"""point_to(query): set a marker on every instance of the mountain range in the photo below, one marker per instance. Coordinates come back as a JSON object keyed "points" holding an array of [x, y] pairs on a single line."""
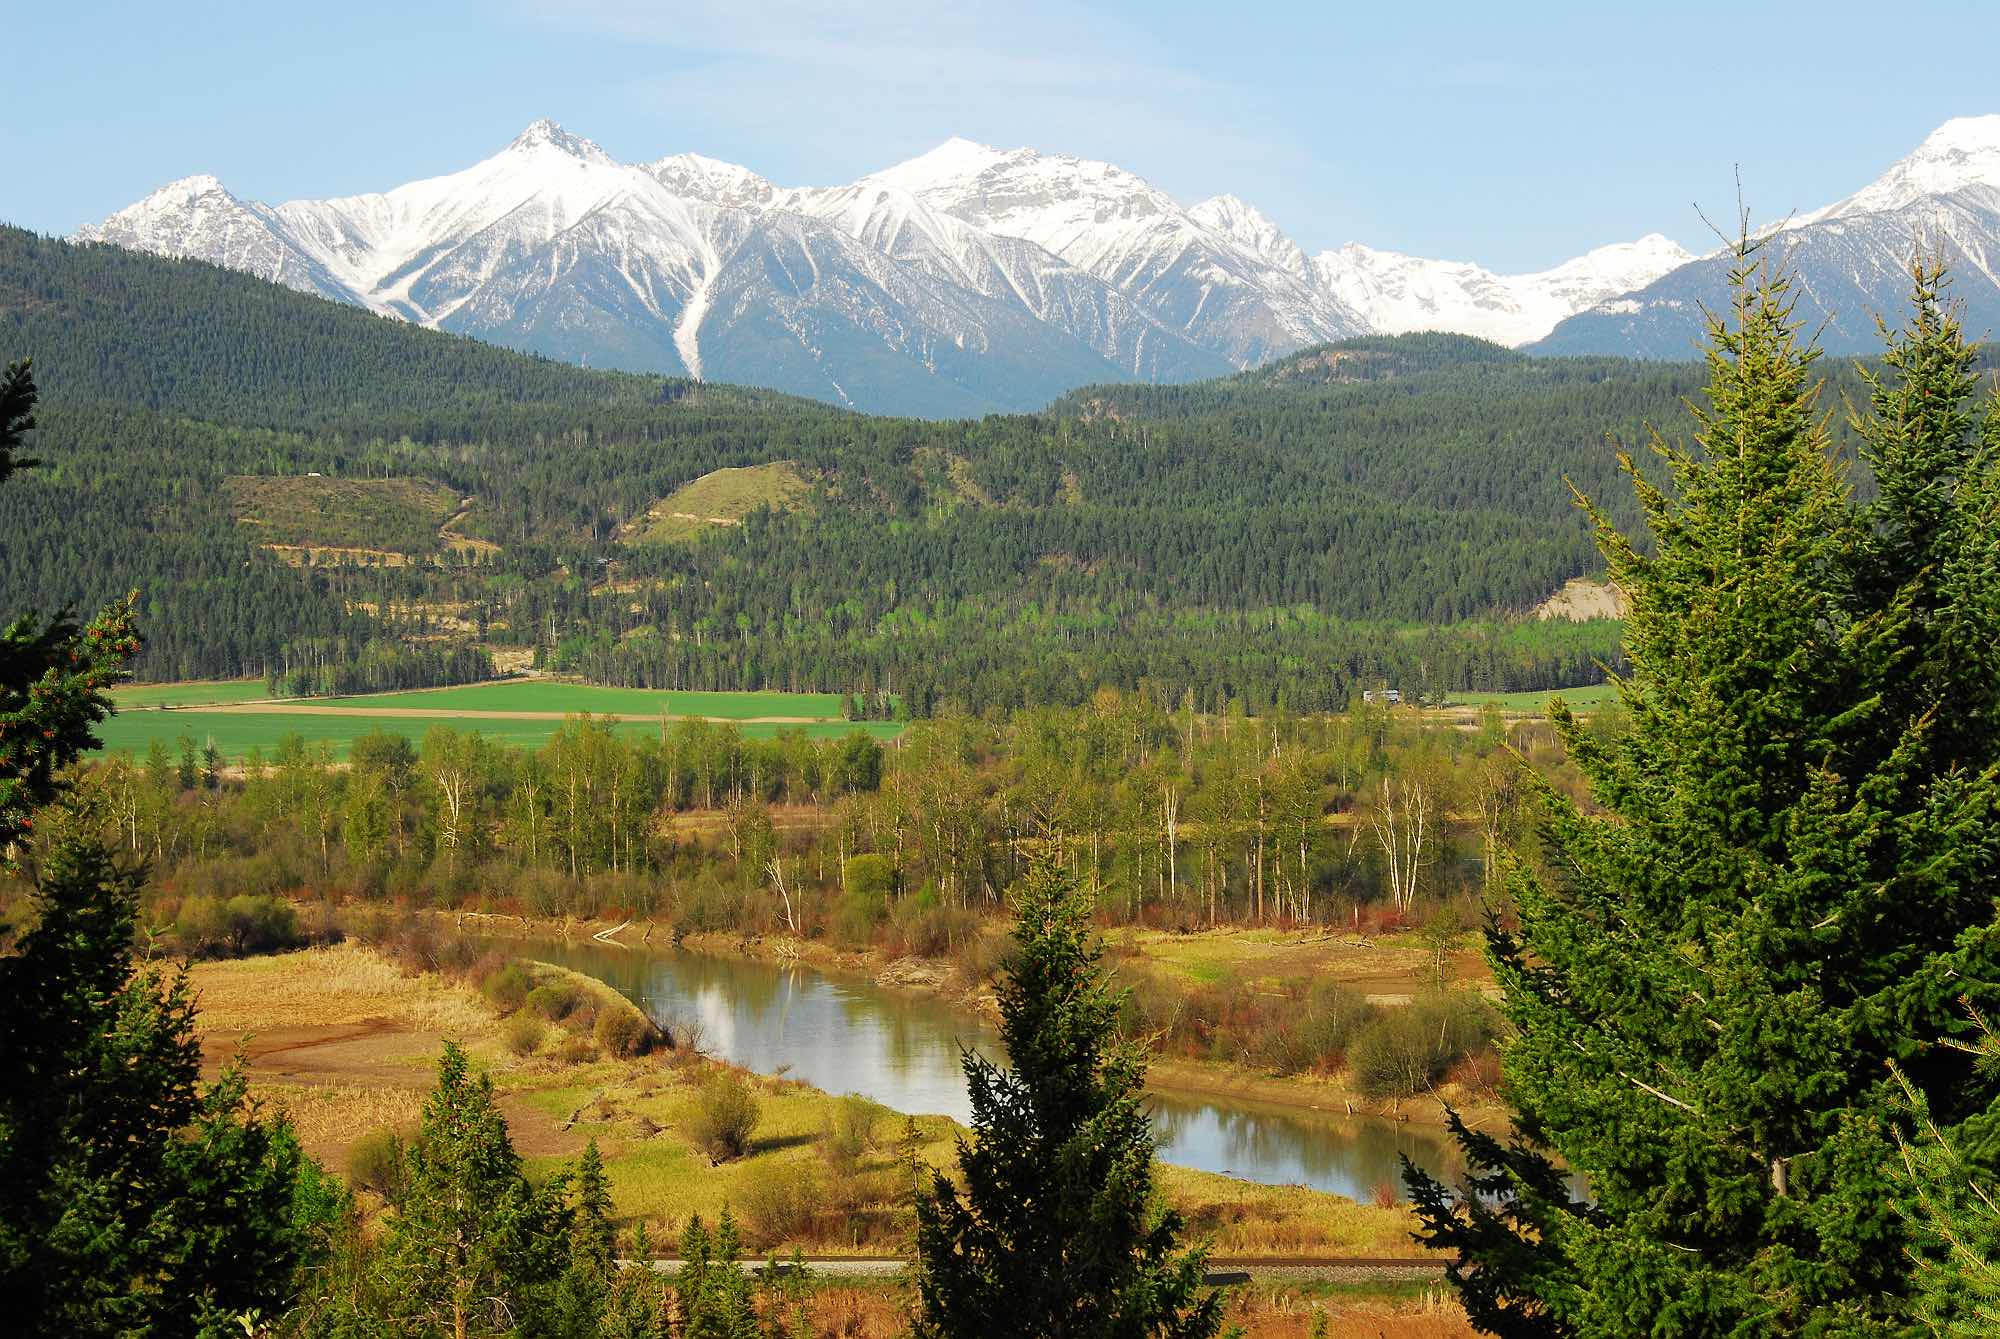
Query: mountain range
{"points": [[973, 279]]}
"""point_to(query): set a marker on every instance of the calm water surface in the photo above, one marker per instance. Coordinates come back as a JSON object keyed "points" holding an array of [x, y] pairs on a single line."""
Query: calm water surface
{"points": [[847, 1035]]}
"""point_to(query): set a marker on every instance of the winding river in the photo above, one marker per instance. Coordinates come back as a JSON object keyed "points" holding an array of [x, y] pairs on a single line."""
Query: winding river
{"points": [[847, 1035]]}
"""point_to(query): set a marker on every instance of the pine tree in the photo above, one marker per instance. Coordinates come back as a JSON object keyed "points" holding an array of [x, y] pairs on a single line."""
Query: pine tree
{"points": [[132, 1199], [1058, 1233], [1788, 889], [53, 674], [473, 1247], [1953, 1211]]}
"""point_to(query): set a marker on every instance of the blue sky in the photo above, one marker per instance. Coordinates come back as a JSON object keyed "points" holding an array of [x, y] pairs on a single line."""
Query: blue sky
{"points": [[1512, 134]]}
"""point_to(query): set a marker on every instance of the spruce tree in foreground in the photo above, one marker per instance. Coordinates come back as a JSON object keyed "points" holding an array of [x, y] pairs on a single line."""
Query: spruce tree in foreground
{"points": [[132, 1199], [1058, 1233], [1791, 886]]}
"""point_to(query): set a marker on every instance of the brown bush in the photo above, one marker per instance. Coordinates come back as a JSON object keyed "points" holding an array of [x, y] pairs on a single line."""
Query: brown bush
{"points": [[376, 1162], [725, 1115], [782, 1201], [624, 1032], [523, 1033], [574, 1051]]}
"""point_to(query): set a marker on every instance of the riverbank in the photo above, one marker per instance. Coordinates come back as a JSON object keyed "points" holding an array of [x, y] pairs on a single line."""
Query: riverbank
{"points": [[346, 1043], [1384, 970]]}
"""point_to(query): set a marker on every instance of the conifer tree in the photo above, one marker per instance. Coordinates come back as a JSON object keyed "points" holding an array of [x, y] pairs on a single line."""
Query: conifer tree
{"points": [[1058, 1233], [1953, 1210], [1789, 888], [473, 1247], [53, 674], [132, 1199]]}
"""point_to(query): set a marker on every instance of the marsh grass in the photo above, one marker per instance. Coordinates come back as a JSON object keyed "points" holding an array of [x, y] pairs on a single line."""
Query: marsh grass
{"points": [[341, 983]]}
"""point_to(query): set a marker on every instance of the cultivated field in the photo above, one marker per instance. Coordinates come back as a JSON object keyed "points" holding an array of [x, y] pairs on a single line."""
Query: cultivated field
{"points": [[539, 695], [192, 693], [236, 717], [1585, 699]]}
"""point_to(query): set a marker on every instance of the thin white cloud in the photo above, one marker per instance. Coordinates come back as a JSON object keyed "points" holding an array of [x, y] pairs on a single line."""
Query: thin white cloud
{"points": [[849, 88]]}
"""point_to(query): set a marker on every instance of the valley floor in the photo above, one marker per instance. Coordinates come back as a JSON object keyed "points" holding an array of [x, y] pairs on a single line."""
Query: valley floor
{"points": [[344, 1042]]}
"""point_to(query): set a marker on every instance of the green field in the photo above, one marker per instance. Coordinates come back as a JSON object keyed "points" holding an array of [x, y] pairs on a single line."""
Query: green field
{"points": [[196, 693], [571, 698], [235, 735], [1587, 698]]}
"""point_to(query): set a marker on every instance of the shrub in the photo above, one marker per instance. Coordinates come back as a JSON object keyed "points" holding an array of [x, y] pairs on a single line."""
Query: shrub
{"points": [[1408, 1050], [574, 1050], [724, 1117], [507, 989], [850, 1133], [782, 1201], [624, 1032], [244, 924], [869, 877], [856, 917], [376, 1162], [1330, 1018], [555, 1001], [522, 1034], [924, 926]]}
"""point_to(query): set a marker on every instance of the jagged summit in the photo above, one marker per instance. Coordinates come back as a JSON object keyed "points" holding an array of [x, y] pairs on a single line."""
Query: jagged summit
{"points": [[545, 134], [1850, 259], [698, 177], [1959, 156], [973, 277]]}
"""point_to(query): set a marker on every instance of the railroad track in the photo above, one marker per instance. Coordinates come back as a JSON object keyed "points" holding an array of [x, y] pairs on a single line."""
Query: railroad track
{"points": [[1303, 1269]]}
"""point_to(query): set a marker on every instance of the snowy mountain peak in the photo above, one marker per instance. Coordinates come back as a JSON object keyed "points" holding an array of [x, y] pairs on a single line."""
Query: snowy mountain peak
{"points": [[1397, 294], [547, 135], [1960, 155], [1249, 227], [694, 176], [950, 167]]}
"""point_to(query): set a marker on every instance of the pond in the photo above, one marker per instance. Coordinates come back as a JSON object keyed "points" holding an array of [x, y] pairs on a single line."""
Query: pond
{"points": [[847, 1035]]}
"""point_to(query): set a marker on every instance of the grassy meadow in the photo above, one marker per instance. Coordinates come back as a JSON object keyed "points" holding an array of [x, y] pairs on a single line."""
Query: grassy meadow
{"points": [[199, 710]]}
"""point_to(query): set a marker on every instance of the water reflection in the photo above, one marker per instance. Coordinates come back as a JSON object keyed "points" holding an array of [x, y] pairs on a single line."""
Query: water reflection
{"points": [[848, 1036]]}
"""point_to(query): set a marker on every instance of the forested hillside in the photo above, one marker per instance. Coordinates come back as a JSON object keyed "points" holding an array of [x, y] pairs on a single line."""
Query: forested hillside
{"points": [[1384, 509]]}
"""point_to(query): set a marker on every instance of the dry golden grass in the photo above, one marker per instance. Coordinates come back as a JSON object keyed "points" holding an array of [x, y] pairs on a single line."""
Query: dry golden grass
{"points": [[1240, 1218], [322, 987], [329, 1117], [880, 1310]]}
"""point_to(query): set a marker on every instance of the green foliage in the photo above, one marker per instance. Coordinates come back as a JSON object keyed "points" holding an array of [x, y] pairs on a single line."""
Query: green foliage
{"points": [[472, 1244], [1789, 887], [1407, 1051], [724, 1116], [508, 988], [1060, 1168], [717, 1300], [1951, 1207], [54, 676], [377, 1161], [524, 1033], [556, 1000], [132, 1199]]}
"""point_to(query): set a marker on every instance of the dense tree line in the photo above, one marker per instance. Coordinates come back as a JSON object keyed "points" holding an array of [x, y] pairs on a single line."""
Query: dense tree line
{"points": [[1264, 551]]}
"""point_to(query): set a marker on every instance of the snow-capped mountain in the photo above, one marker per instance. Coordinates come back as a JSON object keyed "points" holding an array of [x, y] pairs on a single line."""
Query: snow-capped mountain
{"points": [[1396, 294], [966, 280], [1850, 260], [1226, 290]]}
